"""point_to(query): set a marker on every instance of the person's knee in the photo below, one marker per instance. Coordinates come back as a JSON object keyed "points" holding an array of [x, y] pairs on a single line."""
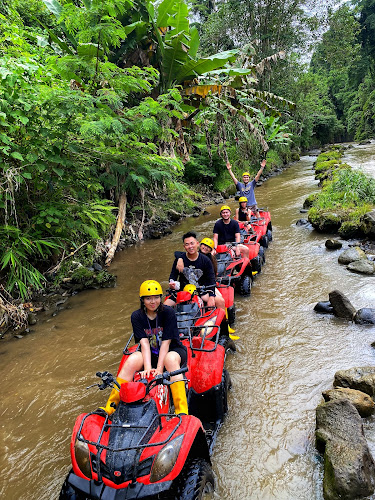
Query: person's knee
{"points": [[172, 361]]}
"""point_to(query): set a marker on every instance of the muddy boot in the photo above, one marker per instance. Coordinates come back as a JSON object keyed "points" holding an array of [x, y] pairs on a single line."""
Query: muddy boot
{"points": [[179, 398], [113, 399]]}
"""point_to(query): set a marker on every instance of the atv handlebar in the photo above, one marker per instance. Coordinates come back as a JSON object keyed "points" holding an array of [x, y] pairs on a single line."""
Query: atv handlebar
{"points": [[108, 380]]}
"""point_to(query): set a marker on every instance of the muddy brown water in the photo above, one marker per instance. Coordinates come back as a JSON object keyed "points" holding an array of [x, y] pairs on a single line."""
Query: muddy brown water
{"points": [[286, 356]]}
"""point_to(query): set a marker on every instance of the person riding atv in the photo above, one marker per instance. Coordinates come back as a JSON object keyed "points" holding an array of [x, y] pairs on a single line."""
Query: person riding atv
{"points": [[155, 327], [198, 270]]}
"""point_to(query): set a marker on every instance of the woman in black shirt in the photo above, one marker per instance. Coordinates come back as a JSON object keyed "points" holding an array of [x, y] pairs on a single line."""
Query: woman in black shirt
{"points": [[155, 328]]}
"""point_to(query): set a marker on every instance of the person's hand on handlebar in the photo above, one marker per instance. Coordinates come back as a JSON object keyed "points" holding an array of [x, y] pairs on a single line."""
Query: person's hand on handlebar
{"points": [[146, 373]]}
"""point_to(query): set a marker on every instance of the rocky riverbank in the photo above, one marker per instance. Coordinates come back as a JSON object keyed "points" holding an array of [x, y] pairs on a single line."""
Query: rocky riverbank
{"points": [[346, 203]]}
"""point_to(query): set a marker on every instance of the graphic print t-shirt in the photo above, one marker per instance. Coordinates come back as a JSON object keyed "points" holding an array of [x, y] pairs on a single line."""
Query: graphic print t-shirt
{"points": [[163, 327], [248, 191], [199, 272]]}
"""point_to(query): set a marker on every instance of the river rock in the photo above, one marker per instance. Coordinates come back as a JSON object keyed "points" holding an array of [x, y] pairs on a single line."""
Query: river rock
{"points": [[362, 267], [333, 244], [302, 222], [359, 378], [365, 316], [324, 307], [369, 224], [349, 469], [342, 307], [351, 255], [362, 401]]}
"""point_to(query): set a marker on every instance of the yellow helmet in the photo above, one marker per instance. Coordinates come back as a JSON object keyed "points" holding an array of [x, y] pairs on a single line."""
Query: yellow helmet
{"points": [[225, 207], [150, 287], [190, 288], [243, 198], [210, 243], [246, 173]]}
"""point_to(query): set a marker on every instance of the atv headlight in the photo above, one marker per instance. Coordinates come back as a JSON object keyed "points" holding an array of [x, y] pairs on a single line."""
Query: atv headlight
{"points": [[208, 326], [165, 460], [82, 454]]}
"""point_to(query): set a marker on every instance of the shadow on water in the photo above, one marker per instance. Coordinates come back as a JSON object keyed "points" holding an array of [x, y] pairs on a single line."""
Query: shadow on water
{"points": [[286, 356]]}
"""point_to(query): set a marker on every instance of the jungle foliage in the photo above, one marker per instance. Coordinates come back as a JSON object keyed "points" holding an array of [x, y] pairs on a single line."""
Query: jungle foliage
{"points": [[112, 107]]}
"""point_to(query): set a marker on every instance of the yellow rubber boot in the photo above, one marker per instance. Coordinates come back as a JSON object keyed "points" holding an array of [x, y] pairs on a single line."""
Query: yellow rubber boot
{"points": [[114, 397], [179, 397]]}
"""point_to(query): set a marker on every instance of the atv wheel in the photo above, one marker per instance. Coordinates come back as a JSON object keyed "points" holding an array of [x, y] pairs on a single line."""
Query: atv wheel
{"points": [[264, 241], [269, 234], [231, 314], [256, 263], [68, 492], [196, 481], [226, 384], [262, 255], [245, 285]]}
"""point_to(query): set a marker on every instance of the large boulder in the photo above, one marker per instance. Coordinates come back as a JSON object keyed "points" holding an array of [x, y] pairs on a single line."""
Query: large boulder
{"points": [[349, 469], [365, 316], [351, 255], [362, 267], [361, 378], [363, 403], [342, 307]]}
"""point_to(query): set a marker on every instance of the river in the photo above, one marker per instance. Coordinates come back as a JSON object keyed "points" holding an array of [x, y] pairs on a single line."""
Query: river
{"points": [[286, 356]]}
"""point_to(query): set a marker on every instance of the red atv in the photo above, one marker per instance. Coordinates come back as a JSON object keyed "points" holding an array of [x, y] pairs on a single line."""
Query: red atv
{"points": [[262, 226], [256, 252], [143, 450], [196, 319], [232, 270]]}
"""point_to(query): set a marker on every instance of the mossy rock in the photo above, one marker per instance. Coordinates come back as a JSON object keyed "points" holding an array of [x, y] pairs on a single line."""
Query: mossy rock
{"points": [[83, 275], [309, 202], [90, 278], [327, 222], [326, 165], [350, 229]]}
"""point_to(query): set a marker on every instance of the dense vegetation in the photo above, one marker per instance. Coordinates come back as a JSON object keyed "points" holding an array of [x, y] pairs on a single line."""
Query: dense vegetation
{"points": [[124, 107]]}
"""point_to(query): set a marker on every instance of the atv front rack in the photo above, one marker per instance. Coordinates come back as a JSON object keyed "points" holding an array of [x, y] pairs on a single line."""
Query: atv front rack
{"points": [[138, 448]]}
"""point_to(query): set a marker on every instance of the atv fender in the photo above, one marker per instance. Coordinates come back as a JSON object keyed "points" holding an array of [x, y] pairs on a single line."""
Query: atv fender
{"points": [[193, 442]]}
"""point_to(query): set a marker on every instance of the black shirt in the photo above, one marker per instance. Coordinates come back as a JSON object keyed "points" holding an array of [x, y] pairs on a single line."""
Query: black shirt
{"points": [[199, 272], [226, 232], [163, 327]]}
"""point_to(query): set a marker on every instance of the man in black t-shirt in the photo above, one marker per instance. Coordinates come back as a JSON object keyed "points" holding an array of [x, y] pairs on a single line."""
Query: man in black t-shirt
{"points": [[227, 230], [198, 270]]}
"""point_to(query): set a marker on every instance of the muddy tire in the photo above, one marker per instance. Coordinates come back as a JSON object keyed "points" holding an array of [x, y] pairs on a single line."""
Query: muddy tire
{"points": [[227, 384], [269, 234], [256, 263], [231, 315], [69, 493], [196, 481], [264, 241], [245, 286], [262, 255]]}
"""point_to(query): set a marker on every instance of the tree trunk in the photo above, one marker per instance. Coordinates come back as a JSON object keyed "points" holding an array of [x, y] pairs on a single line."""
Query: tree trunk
{"points": [[119, 227]]}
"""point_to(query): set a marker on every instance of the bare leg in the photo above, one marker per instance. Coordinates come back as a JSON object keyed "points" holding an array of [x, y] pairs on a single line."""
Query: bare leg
{"points": [[133, 364]]}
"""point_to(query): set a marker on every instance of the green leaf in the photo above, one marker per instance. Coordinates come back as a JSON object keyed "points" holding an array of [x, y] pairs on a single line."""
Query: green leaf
{"points": [[58, 171], [17, 155], [89, 51], [194, 68], [27, 175], [194, 42], [31, 157], [53, 6]]}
